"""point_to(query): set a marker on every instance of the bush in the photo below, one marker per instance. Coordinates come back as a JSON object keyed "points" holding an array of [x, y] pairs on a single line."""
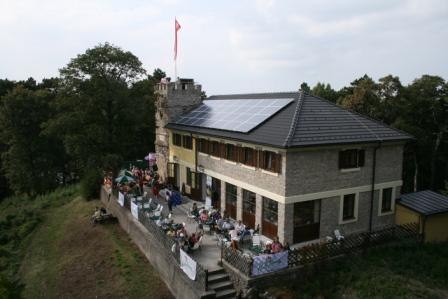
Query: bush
{"points": [[90, 184]]}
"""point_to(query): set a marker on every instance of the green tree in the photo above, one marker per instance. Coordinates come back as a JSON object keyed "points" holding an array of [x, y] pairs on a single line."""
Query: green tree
{"points": [[305, 87], [362, 97], [30, 160], [325, 91], [424, 114], [105, 114]]}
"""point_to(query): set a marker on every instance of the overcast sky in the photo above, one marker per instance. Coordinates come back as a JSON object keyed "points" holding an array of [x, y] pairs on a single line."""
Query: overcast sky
{"points": [[234, 46]]}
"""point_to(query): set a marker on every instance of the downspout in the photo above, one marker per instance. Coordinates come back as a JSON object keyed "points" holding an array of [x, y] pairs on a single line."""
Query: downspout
{"points": [[372, 190]]}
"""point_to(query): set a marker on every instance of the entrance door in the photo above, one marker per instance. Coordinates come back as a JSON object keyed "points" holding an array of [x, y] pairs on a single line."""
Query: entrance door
{"points": [[173, 174], [249, 206], [196, 186], [306, 221], [231, 200], [269, 224]]}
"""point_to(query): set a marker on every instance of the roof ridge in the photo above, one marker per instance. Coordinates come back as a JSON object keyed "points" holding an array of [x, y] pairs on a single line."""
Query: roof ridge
{"points": [[253, 94], [295, 120]]}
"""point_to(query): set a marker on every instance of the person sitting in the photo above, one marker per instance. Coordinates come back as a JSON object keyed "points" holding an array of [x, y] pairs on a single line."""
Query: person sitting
{"points": [[204, 216], [195, 210], [240, 227], [192, 240], [216, 216], [276, 246], [96, 217], [268, 248], [170, 232], [233, 234]]}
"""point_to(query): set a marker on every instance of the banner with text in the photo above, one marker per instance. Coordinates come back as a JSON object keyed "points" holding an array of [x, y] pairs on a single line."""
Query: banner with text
{"points": [[134, 210], [267, 263], [121, 199], [188, 265]]}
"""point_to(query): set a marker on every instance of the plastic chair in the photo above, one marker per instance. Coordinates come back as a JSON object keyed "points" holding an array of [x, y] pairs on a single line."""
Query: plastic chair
{"points": [[338, 235]]}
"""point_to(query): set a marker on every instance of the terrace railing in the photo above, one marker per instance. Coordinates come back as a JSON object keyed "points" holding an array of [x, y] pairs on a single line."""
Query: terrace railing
{"points": [[320, 252]]}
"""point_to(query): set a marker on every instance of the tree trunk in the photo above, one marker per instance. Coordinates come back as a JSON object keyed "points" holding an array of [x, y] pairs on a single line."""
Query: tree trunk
{"points": [[434, 160]]}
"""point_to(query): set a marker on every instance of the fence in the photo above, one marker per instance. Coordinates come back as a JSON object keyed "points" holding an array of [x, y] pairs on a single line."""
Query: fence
{"points": [[171, 248], [320, 252]]}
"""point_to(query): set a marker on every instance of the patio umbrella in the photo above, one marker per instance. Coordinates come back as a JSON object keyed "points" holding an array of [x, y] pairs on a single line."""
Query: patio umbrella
{"points": [[125, 172], [124, 179]]}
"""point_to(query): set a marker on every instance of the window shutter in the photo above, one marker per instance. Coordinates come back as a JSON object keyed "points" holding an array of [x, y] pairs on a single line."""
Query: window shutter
{"points": [[223, 150], [254, 158], [341, 164], [240, 155], [261, 159], [361, 157], [278, 163]]}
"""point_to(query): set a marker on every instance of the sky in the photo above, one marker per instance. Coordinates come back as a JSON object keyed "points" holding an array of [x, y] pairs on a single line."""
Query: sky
{"points": [[234, 46]]}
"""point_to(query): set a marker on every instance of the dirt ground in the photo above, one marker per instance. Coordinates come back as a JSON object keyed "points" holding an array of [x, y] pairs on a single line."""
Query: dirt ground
{"points": [[70, 258]]}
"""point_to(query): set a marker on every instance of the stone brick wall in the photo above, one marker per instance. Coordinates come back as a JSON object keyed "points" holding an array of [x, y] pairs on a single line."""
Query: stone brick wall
{"points": [[317, 170], [330, 213], [165, 264], [171, 101], [272, 183]]}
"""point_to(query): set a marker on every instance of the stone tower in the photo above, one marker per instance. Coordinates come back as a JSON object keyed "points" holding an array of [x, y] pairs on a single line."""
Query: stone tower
{"points": [[172, 100]]}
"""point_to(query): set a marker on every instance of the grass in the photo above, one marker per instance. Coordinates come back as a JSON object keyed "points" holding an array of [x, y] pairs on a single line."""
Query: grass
{"points": [[405, 271], [53, 251]]}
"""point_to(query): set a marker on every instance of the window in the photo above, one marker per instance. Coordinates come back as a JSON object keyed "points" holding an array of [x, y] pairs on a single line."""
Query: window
{"points": [[386, 200], [187, 141], [203, 145], [352, 158], [271, 161], [248, 157], [348, 207], [249, 201], [230, 152], [270, 210], [177, 139], [215, 148]]}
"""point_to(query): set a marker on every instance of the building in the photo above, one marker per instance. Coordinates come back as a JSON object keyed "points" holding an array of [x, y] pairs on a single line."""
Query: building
{"points": [[294, 164], [429, 210]]}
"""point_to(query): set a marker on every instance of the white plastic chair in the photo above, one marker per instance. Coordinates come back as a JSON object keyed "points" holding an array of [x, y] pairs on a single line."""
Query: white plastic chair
{"points": [[146, 205], [206, 228], [256, 240], [190, 217], [338, 235], [169, 216]]}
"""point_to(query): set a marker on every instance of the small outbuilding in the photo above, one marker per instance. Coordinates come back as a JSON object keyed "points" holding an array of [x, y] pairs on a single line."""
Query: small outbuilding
{"points": [[429, 209]]}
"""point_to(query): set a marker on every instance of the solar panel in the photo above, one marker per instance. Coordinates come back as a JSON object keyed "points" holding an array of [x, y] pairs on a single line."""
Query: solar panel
{"points": [[240, 115]]}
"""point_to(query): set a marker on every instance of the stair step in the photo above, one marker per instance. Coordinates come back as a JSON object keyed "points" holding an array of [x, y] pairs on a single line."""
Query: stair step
{"points": [[218, 277], [216, 271], [226, 294], [221, 285]]}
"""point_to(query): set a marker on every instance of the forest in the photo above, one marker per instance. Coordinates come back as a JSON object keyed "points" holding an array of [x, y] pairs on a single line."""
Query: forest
{"points": [[99, 112]]}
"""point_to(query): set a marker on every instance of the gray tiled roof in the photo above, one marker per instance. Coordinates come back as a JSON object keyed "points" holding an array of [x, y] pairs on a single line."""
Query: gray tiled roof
{"points": [[307, 121], [425, 202]]}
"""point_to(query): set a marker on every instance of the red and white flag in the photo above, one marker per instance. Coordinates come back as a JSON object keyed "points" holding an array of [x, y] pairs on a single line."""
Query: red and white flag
{"points": [[176, 28]]}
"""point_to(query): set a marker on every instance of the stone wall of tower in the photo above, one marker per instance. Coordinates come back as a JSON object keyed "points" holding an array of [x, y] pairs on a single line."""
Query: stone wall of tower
{"points": [[172, 100]]}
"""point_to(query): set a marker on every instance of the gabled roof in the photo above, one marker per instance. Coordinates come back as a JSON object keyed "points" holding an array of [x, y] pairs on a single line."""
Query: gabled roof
{"points": [[425, 202], [307, 121]]}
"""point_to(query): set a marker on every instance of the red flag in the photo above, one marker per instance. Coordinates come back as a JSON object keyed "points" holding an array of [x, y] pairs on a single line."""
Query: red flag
{"points": [[176, 28]]}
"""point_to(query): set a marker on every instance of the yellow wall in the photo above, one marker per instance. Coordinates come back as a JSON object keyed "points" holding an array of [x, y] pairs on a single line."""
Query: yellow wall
{"points": [[184, 157], [404, 215], [436, 229]]}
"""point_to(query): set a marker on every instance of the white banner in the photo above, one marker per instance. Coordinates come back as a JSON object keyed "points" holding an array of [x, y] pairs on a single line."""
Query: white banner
{"points": [[134, 210], [208, 192], [121, 199], [188, 265]]}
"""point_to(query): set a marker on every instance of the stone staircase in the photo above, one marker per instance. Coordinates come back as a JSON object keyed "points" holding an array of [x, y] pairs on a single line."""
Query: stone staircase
{"points": [[219, 281]]}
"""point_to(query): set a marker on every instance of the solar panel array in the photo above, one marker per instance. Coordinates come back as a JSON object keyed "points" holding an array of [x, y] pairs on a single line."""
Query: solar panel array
{"points": [[240, 115]]}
